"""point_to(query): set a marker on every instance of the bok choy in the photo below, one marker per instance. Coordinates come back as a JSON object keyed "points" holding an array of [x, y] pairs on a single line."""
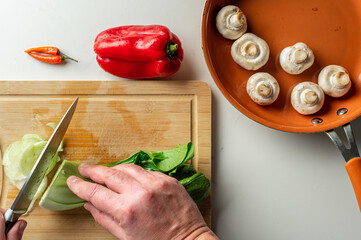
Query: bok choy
{"points": [[20, 157], [171, 162]]}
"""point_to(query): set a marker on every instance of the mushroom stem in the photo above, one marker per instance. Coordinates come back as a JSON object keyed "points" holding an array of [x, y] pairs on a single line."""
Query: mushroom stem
{"points": [[340, 79], [299, 56], [310, 97], [236, 20], [249, 49], [264, 90]]}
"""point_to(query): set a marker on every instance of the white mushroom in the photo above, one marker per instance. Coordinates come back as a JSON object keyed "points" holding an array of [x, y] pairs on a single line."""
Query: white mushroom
{"points": [[250, 52], [307, 98], [231, 22], [334, 81], [297, 58], [262, 88]]}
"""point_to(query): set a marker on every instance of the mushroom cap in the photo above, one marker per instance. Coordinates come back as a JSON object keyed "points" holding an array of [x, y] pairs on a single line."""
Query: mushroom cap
{"points": [[231, 22], [297, 58], [263, 88], [307, 98], [250, 52], [334, 80]]}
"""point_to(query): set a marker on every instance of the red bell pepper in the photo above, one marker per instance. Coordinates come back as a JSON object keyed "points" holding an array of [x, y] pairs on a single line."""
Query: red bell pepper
{"points": [[139, 52]]}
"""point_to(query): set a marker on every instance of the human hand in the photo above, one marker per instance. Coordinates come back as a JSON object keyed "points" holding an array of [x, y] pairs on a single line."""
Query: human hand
{"points": [[15, 233], [139, 204]]}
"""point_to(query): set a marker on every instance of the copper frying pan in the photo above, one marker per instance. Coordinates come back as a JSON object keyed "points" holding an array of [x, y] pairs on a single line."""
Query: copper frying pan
{"points": [[332, 29]]}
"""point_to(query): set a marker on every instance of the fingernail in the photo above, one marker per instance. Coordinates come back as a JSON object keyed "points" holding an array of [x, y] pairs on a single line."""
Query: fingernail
{"points": [[22, 227], [84, 165], [86, 206], [72, 179]]}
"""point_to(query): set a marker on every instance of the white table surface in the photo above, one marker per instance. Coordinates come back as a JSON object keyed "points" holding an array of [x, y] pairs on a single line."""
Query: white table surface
{"points": [[266, 184]]}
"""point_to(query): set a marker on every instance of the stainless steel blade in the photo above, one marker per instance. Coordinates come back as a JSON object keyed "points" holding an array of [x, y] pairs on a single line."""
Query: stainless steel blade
{"points": [[27, 192]]}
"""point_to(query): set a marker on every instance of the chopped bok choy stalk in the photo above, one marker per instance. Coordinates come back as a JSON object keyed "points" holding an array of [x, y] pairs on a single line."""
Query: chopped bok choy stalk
{"points": [[59, 197], [20, 157]]}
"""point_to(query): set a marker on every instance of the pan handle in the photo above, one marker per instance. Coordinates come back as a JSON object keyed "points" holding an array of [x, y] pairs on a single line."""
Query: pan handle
{"points": [[353, 168], [351, 156]]}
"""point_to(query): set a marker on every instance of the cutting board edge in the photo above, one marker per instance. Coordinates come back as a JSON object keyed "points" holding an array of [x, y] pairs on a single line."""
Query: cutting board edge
{"points": [[101, 87]]}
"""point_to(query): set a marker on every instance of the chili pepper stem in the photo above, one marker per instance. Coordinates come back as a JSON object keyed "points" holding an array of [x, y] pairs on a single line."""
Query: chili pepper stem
{"points": [[64, 57], [171, 50]]}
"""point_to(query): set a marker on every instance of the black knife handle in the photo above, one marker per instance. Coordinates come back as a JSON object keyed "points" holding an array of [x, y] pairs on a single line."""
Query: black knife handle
{"points": [[8, 226], [10, 219]]}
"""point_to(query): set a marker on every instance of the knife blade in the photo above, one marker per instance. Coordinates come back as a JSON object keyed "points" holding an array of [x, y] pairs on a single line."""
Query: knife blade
{"points": [[32, 183]]}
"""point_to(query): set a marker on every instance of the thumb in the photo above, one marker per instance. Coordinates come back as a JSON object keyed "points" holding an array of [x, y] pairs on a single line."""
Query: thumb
{"points": [[2, 226], [16, 232]]}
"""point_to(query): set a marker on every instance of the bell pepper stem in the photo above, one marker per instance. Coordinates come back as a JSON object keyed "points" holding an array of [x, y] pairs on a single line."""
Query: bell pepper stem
{"points": [[171, 50]]}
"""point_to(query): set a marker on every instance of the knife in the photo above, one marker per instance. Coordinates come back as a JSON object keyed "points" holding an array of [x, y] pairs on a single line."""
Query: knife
{"points": [[32, 183]]}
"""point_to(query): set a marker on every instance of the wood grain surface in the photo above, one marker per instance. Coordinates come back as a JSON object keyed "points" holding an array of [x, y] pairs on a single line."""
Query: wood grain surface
{"points": [[113, 120]]}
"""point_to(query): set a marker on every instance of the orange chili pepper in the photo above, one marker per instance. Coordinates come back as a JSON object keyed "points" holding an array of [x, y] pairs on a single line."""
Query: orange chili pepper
{"points": [[52, 54], [49, 50]]}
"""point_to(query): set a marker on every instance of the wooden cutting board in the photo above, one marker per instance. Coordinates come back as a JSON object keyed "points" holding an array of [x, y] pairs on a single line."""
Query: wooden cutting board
{"points": [[113, 120]]}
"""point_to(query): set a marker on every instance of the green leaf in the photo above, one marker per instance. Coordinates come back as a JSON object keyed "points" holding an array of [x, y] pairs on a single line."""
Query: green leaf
{"points": [[197, 186], [168, 160], [184, 171]]}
